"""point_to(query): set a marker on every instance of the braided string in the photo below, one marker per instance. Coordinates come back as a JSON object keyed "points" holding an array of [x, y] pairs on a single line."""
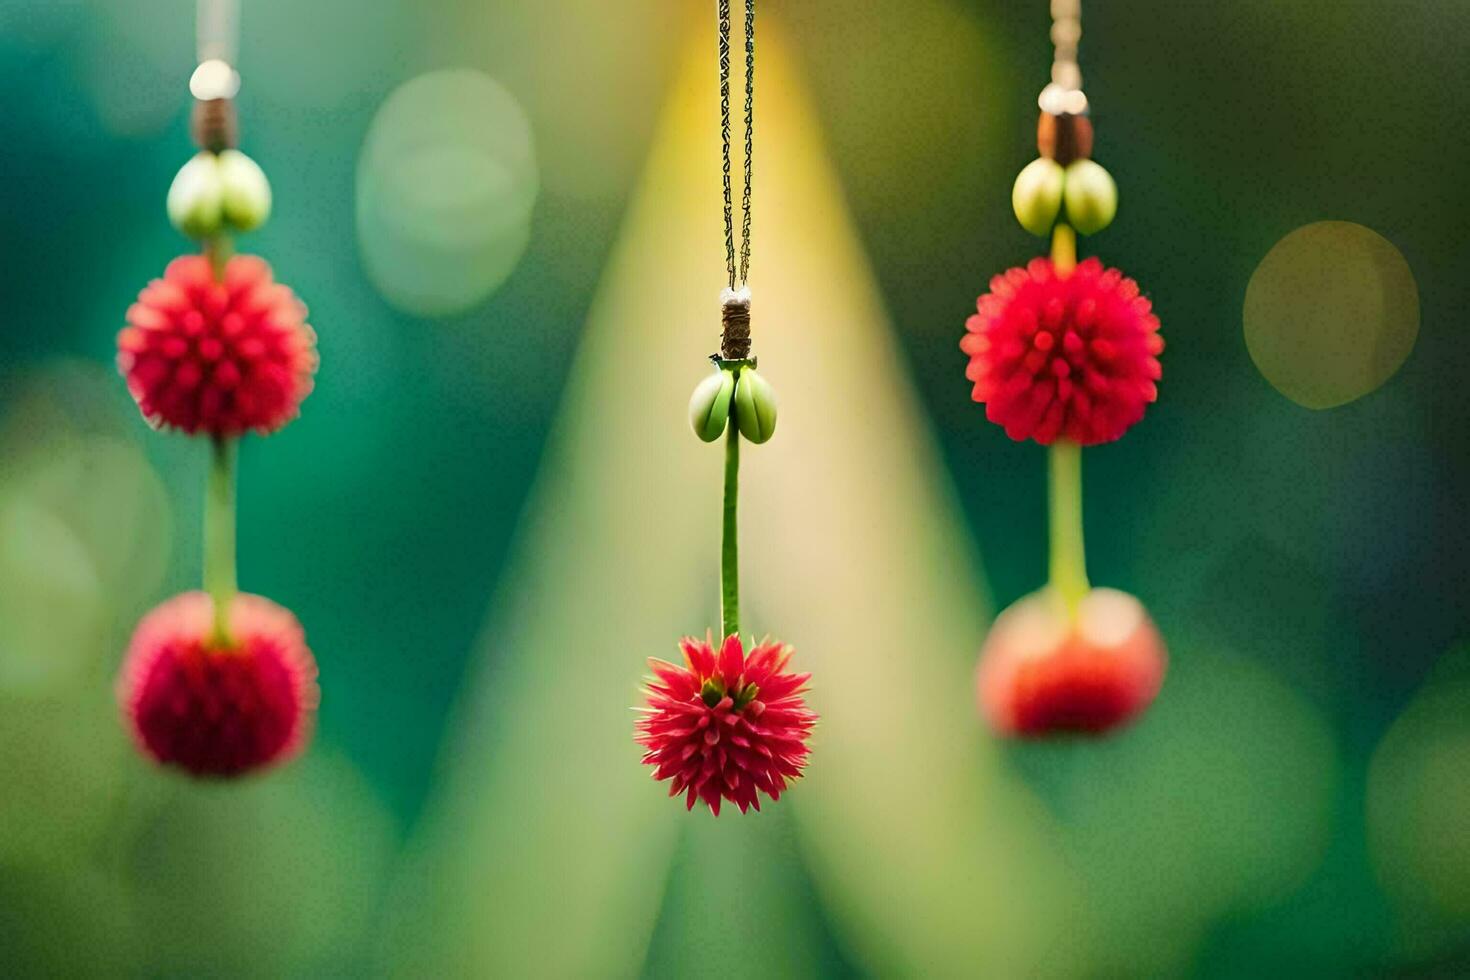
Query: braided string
{"points": [[737, 273], [749, 136]]}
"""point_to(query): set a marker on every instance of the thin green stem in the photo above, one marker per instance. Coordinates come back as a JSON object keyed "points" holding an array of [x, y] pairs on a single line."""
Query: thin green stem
{"points": [[729, 540], [219, 536], [1068, 556], [218, 250], [219, 495], [1064, 249]]}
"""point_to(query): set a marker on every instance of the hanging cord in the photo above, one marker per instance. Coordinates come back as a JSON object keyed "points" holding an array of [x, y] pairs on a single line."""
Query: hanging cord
{"points": [[1064, 94], [1064, 131], [215, 81], [217, 30], [738, 274], [724, 17], [749, 138], [735, 301]]}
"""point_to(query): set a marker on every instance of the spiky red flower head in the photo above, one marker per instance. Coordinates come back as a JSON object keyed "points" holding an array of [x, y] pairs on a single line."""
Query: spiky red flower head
{"points": [[1073, 357], [218, 357], [1044, 672], [726, 725], [219, 711]]}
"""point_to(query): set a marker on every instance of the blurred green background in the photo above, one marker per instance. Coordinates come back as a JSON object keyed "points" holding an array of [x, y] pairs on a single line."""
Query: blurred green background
{"points": [[491, 511]]}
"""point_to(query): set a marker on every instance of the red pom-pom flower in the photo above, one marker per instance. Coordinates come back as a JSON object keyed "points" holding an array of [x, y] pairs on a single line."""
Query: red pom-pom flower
{"points": [[726, 726], [1043, 671], [219, 711], [1072, 357], [221, 358]]}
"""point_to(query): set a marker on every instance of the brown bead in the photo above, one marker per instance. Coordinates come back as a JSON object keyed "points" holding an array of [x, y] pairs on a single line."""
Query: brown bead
{"points": [[213, 125], [1064, 138], [735, 337]]}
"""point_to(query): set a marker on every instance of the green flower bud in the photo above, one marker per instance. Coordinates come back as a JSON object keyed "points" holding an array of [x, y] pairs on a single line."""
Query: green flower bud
{"points": [[755, 406], [709, 406], [247, 194], [1092, 197], [196, 197], [712, 691], [1036, 196]]}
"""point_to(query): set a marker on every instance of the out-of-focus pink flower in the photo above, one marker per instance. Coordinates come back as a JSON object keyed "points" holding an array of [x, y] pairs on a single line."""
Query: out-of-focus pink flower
{"points": [[221, 358], [1043, 672], [219, 711]]}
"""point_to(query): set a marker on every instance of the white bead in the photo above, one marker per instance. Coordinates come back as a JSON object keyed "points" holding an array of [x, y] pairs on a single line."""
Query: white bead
{"points": [[214, 79]]}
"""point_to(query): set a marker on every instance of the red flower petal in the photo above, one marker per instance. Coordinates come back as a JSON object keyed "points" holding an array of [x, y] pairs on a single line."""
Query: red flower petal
{"points": [[732, 660]]}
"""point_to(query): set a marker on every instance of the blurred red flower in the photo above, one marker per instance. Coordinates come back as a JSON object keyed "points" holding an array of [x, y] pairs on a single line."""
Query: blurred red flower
{"points": [[726, 725], [219, 711], [222, 358], [1043, 671]]}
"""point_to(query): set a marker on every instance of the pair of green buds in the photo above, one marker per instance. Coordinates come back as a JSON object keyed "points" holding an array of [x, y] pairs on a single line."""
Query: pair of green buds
{"points": [[1044, 187], [735, 388], [215, 192]]}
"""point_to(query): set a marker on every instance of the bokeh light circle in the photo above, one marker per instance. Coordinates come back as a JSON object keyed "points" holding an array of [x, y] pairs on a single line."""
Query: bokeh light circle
{"points": [[1331, 313], [63, 758], [85, 525], [269, 877], [1217, 801], [446, 183], [1418, 808], [52, 608]]}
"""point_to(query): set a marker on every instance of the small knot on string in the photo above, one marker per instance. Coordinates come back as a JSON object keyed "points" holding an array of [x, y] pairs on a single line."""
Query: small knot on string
{"points": [[1064, 136], [214, 125], [735, 321]]}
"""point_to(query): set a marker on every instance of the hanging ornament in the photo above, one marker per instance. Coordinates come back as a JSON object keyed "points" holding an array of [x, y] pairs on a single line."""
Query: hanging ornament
{"points": [[1066, 354], [216, 682], [729, 724]]}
